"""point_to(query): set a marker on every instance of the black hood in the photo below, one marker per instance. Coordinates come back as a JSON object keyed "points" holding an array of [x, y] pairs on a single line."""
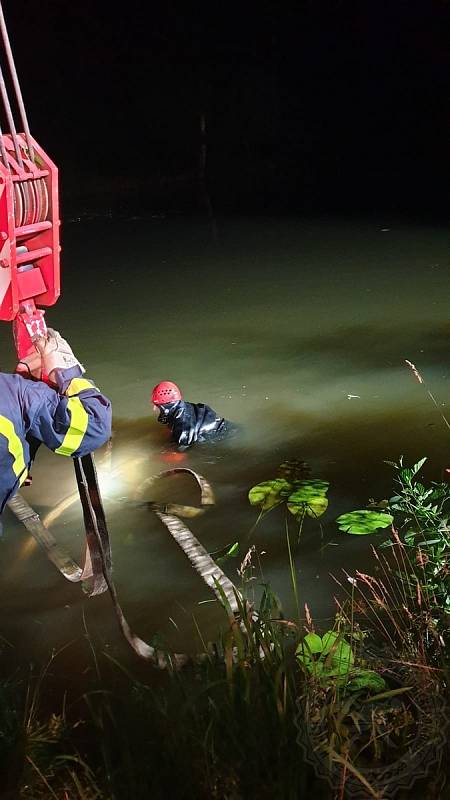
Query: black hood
{"points": [[168, 411]]}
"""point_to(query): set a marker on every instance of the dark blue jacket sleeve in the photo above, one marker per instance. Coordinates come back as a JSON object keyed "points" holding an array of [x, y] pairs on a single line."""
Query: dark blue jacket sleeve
{"points": [[72, 420]]}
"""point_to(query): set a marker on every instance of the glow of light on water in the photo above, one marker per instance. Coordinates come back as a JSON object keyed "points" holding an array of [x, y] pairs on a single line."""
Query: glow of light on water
{"points": [[111, 482], [26, 549]]}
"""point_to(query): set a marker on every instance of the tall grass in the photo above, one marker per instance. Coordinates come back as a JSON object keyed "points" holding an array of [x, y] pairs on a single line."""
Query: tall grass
{"points": [[223, 728], [38, 756]]}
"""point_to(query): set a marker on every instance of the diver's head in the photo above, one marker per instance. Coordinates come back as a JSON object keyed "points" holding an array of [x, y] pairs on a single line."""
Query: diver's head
{"points": [[165, 398], [165, 392]]}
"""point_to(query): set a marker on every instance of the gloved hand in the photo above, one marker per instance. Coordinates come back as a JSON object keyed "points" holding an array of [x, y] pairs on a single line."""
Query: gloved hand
{"points": [[56, 353], [31, 366]]}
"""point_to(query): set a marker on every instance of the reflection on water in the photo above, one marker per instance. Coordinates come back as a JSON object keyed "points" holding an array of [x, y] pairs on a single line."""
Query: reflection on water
{"points": [[297, 331]]}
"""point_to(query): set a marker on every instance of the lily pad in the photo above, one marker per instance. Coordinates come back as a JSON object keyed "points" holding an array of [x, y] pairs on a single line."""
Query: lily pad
{"points": [[362, 522], [269, 494], [308, 498]]}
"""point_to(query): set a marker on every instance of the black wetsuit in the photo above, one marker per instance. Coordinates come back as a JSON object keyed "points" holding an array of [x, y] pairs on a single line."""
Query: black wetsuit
{"points": [[192, 422]]}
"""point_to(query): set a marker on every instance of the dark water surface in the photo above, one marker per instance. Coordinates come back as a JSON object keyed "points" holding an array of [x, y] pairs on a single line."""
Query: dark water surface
{"points": [[295, 329]]}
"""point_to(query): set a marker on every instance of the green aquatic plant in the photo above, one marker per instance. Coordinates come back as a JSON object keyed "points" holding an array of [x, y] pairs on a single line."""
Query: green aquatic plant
{"points": [[302, 496], [331, 661], [269, 494], [362, 522], [418, 507], [422, 517], [308, 498], [327, 656], [225, 553], [419, 519], [370, 718]]}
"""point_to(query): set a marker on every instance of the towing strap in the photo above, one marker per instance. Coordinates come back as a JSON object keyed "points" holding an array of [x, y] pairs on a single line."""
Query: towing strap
{"points": [[56, 553], [98, 547], [97, 567]]}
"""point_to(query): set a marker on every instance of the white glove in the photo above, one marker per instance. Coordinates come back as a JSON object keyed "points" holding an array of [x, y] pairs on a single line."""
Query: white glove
{"points": [[56, 353], [30, 366]]}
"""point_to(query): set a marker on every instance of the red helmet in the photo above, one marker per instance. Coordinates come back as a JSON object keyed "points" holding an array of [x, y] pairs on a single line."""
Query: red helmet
{"points": [[165, 392]]}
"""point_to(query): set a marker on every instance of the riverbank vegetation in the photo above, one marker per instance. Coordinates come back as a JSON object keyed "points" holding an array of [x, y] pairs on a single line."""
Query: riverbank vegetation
{"points": [[275, 707]]}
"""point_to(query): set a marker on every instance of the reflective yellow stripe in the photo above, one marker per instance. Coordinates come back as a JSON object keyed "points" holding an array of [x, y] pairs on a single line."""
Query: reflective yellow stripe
{"points": [[78, 426], [78, 385], [15, 448]]}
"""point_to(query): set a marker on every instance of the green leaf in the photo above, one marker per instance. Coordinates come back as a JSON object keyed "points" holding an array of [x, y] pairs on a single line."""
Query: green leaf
{"points": [[311, 644], [339, 656], [310, 488], [406, 474], [269, 494], [308, 497], [366, 679], [328, 640], [418, 466], [440, 490], [293, 470], [225, 553], [362, 522], [313, 509], [330, 659], [429, 541]]}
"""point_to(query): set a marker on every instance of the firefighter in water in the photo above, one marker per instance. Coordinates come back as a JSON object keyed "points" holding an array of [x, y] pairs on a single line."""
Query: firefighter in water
{"points": [[188, 422], [70, 416]]}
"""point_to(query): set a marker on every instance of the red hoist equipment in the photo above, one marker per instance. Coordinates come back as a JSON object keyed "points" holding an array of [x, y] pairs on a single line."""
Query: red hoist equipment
{"points": [[29, 218]]}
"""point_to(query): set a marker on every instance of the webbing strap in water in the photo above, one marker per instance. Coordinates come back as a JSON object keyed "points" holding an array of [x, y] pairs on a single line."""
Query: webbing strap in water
{"points": [[98, 565], [97, 535], [57, 554]]}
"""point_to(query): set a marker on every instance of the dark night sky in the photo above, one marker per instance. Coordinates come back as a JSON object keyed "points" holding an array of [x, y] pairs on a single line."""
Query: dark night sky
{"points": [[320, 105]]}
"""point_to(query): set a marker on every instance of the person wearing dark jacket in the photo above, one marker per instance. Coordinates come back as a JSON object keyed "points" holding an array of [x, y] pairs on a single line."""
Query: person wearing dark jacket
{"points": [[188, 422], [68, 414]]}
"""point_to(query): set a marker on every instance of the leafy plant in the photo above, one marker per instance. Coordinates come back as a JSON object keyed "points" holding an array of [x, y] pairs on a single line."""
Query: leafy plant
{"points": [[359, 728], [421, 515], [330, 660]]}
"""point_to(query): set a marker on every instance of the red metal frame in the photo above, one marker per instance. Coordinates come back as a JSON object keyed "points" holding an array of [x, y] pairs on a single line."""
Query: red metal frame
{"points": [[29, 240]]}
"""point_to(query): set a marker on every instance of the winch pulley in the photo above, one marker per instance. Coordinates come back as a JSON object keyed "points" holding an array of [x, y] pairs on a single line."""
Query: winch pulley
{"points": [[29, 215]]}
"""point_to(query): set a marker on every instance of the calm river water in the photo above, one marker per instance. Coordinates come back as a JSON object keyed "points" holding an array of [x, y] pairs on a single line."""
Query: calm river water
{"points": [[297, 330]]}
